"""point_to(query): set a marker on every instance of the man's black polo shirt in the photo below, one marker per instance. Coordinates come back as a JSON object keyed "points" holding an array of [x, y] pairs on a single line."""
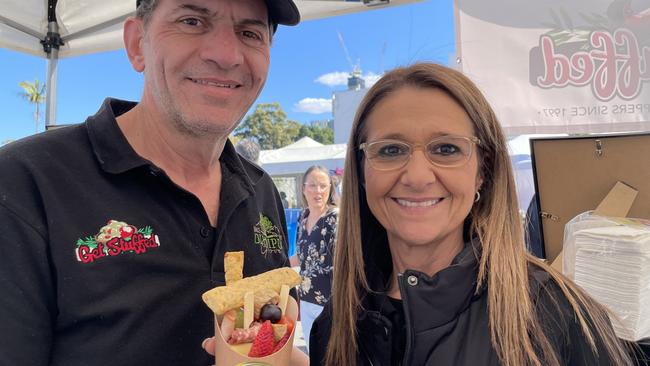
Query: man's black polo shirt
{"points": [[103, 258]]}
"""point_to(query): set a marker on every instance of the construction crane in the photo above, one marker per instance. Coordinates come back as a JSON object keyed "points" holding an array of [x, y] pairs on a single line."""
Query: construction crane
{"points": [[355, 80], [381, 57]]}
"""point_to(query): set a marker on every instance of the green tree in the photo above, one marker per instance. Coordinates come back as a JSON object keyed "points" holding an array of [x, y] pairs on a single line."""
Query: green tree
{"points": [[234, 139], [268, 124], [34, 93], [324, 135]]}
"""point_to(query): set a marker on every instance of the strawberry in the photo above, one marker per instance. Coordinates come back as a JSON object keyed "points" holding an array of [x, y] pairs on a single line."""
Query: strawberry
{"points": [[282, 341], [264, 343]]}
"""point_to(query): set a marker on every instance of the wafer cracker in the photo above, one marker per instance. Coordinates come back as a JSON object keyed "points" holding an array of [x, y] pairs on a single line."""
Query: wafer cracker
{"points": [[284, 296], [223, 298], [233, 266], [249, 309]]}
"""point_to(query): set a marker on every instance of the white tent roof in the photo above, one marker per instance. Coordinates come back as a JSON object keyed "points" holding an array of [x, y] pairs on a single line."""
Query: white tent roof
{"points": [[308, 153], [296, 158], [303, 142], [88, 26]]}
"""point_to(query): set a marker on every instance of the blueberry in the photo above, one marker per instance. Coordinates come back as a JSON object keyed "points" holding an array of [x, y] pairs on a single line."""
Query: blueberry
{"points": [[271, 312]]}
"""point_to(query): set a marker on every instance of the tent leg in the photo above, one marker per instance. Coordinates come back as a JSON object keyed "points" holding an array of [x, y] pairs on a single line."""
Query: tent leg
{"points": [[50, 86], [51, 45]]}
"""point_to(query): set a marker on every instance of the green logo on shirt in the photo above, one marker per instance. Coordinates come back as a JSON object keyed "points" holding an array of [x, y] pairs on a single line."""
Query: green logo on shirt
{"points": [[267, 236]]}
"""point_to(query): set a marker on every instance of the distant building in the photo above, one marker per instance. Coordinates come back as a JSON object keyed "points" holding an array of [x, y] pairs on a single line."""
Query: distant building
{"points": [[325, 123], [344, 106], [355, 80]]}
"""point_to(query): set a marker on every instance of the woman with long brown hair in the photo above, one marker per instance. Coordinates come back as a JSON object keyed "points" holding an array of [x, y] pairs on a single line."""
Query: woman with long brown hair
{"points": [[431, 267], [315, 244]]}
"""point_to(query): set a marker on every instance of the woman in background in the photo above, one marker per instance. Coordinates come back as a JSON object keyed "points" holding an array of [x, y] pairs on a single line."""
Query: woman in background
{"points": [[431, 268], [315, 245]]}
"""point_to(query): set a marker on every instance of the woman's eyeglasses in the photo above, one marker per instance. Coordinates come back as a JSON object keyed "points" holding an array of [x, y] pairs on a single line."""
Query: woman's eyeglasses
{"points": [[445, 151]]}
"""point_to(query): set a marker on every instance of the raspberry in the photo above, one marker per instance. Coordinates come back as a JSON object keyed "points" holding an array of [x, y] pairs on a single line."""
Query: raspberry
{"points": [[264, 343]]}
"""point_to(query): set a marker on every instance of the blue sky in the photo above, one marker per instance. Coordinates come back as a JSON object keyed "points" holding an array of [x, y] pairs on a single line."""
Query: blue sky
{"points": [[306, 63]]}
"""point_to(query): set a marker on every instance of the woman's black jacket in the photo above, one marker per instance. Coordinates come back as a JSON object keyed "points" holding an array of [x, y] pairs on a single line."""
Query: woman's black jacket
{"points": [[447, 321]]}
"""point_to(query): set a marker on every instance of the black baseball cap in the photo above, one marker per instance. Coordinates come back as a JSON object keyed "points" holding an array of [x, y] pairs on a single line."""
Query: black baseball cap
{"points": [[283, 12]]}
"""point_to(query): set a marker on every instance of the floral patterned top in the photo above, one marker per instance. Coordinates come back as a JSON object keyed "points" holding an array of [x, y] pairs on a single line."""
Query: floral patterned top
{"points": [[315, 250]]}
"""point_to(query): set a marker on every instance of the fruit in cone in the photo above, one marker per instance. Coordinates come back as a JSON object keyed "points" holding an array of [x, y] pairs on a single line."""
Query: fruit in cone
{"points": [[264, 343], [279, 330], [281, 342], [251, 311], [271, 312], [288, 322]]}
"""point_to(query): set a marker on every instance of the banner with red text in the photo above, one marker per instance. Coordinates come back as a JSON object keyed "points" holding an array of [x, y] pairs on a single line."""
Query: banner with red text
{"points": [[558, 66]]}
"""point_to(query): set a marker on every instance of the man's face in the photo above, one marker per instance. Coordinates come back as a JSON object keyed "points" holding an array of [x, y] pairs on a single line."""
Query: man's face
{"points": [[205, 62]]}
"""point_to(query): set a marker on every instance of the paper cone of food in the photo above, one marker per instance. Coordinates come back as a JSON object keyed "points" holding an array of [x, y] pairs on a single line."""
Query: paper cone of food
{"points": [[238, 354], [255, 317]]}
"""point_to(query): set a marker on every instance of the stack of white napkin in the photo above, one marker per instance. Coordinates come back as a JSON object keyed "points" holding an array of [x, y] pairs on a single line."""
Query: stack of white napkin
{"points": [[610, 259]]}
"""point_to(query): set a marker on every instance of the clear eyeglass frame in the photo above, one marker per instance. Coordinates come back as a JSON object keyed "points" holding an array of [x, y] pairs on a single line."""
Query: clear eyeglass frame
{"points": [[401, 161]]}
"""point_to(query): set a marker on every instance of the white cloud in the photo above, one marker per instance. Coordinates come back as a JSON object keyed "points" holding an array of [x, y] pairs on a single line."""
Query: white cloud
{"points": [[340, 78], [371, 78], [314, 105], [336, 78]]}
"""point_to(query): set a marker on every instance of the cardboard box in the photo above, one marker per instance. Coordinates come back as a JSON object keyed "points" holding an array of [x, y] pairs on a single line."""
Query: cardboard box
{"points": [[573, 174], [616, 204]]}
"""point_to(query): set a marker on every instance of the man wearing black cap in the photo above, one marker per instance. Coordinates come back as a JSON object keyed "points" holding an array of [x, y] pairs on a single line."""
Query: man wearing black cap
{"points": [[112, 229]]}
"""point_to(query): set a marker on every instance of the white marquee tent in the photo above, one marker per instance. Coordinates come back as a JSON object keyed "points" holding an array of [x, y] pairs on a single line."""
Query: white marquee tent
{"points": [[294, 159]]}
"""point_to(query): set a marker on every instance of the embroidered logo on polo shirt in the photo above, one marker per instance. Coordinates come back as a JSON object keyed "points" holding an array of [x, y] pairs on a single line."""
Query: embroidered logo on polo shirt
{"points": [[115, 238], [267, 236]]}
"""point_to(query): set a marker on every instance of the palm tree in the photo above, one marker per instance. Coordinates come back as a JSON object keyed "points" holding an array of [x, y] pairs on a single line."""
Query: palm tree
{"points": [[34, 93]]}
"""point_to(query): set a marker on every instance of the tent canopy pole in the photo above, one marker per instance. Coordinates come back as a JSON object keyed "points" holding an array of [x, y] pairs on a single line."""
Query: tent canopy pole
{"points": [[51, 44]]}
